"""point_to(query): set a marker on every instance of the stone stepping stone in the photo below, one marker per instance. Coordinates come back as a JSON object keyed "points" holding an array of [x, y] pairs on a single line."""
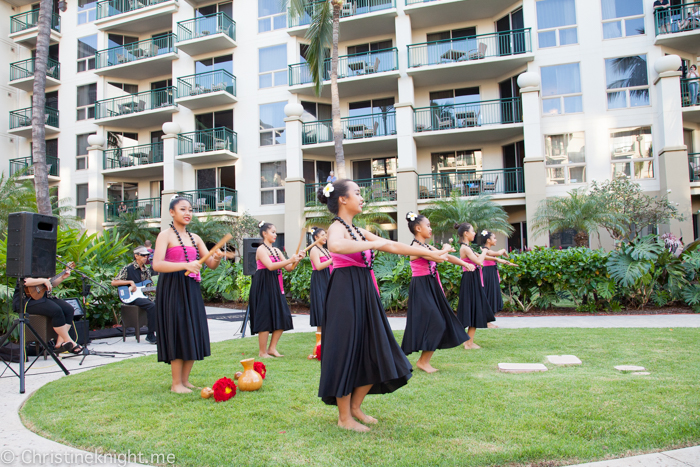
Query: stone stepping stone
{"points": [[629, 368], [521, 367], [641, 373], [563, 359]]}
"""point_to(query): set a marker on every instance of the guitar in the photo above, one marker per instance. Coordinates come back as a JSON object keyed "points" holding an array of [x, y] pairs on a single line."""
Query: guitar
{"points": [[36, 292], [127, 296]]}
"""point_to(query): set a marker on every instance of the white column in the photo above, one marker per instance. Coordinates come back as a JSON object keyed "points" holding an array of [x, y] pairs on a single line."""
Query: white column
{"points": [[172, 172], [295, 185], [95, 209]]}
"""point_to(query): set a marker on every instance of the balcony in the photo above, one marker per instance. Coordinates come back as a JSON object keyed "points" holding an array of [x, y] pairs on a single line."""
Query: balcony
{"points": [[693, 167], [374, 190], [22, 74], [485, 56], [24, 30], [135, 16], [206, 146], [213, 200], [21, 122], [145, 160], [430, 13], [26, 164], [357, 72], [208, 89], [142, 110], [206, 34], [690, 99], [476, 122], [376, 133], [494, 182], [148, 208], [358, 19], [678, 27], [139, 60]]}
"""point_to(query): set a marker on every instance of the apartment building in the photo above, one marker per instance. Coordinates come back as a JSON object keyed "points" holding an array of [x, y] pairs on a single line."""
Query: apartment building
{"points": [[518, 100]]}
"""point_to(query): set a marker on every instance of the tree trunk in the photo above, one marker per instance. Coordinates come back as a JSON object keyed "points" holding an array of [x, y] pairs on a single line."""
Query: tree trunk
{"points": [[335, 98], [581, 239], [41, 176]]}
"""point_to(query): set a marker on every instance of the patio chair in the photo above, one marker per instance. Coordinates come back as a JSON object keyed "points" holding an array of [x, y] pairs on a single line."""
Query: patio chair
{"points": [[471, 118], [199, 147], [491, 185], [200, 204], [347, 9], [50, 71], [125, 161], [423, 192], [148, 211], [142, 106], [220, 144], [444, 122], [121, 58], [133, 317], [478, 53], [372, 131], [219, 87], [44, 330], [373, 69]]}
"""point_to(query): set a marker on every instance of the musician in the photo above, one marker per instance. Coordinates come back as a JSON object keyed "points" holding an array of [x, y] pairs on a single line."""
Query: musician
{"points": [[131, 275], [60, 312]]}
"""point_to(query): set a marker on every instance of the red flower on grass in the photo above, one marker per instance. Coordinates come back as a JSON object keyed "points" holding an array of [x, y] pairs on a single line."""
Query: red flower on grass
{"points": [[260, 368], [318, 352], [224, 389]]}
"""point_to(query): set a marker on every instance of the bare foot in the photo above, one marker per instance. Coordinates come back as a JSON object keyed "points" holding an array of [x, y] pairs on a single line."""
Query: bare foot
{"points": [[274, 353], [264, 355], [363, 417], [190, 385], [180, 389], [353, 425], [427, 367], [471, 345], [491, 326]]}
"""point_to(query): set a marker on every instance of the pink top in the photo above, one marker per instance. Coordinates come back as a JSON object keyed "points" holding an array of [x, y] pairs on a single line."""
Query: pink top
{"points": [[322, 259], [279, 276], [421, 267], [353, 260], [177, 255], [481, 273]]}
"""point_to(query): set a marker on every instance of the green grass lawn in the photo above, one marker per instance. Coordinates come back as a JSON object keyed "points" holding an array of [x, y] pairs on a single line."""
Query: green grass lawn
{"points": [[467, 414]]}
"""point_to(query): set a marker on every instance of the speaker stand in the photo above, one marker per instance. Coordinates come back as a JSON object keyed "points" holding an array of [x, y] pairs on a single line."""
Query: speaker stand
{"points": [[245, 322]]}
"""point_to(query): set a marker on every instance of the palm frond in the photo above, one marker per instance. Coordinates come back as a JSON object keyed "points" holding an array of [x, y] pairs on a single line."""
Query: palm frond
{"points": [[480, 211], [320, 36]]}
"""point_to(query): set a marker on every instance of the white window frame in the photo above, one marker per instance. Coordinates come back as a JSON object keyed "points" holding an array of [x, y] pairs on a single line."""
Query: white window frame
{"points": [[88, 60], [623, 25], [565, 166], [86, 108], [632, 161], [275, 131], [87, 13], [627, 90], [562, 97], [275, 189], [557, 31], [273, 72], [81, 157], [81, 209], [271, 19]]}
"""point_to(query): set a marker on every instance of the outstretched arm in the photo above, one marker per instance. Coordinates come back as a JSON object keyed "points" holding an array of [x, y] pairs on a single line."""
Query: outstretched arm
{"points": [[407, 250]]}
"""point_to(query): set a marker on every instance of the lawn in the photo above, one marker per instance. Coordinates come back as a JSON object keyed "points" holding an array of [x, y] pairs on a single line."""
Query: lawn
{"points": [[467, 414]]}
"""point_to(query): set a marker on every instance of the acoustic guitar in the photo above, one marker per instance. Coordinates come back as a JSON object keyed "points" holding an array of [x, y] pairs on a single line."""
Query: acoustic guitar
{"points": [[36, 292]]}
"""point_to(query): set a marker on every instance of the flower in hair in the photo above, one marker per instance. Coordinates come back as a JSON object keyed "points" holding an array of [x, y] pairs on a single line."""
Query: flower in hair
{"points": [[261, 224], [327, 190], [412, 216], [484, 233], [175, 197]]}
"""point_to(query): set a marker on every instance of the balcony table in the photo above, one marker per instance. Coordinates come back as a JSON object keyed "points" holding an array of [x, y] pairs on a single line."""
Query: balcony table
{"points": [[357, 131], [453, 55]]}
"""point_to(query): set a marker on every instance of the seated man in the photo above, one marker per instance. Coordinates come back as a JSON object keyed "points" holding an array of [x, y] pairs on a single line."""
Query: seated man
{"points": [[132, 274]]}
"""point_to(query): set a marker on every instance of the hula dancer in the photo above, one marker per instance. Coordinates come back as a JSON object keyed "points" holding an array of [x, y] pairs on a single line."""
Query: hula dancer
{"points": [[322, 265], [360, 354], [269, 311], [181, 320], [430, 322], [491, 277]]}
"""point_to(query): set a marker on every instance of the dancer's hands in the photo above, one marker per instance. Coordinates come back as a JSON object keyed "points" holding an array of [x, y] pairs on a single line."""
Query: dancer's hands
{"points": [[469, 266], [193, 267], [437, 255], [448, 248]]}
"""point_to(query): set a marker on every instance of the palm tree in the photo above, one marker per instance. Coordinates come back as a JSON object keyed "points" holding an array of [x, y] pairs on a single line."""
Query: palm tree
{"points": [[370, 219], [133, 230], [323, 33], [41, 173], [480, 211], [15, 195], [633, 72]]}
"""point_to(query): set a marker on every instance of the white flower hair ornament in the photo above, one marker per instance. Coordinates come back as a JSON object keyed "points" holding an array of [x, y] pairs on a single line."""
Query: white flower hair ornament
{"points": [[261, 224], [327, 190], [484, 233], [175, 197], [411, 216]]}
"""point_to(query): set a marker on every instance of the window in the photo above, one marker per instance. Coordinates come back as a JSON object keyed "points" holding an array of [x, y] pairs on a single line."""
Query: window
{"points": [[87, 47], [273, 66], [81, 196], [86, 101], [212, 9], [456, 161], [122, 191], [561, 89], [376, 114], [225, 62], [318, 110], [128, 88], [271, 15], [556, 23], [371, 47], [118, 40], [87, 11], [272, 175], [211, 120], [565, 158], [518, 239], [631, 153], [81, 151], [272, 124], [627, 82], [453, 34], [622, 18], [454, 96]]}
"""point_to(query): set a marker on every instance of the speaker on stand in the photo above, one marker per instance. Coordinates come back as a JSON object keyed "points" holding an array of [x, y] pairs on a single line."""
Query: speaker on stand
{"points": [[250, 265]]}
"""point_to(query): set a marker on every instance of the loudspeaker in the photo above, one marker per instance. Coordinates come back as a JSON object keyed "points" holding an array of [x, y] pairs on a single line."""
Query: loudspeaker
{"points": [[250, 248], [31, 245], [83, 328]]}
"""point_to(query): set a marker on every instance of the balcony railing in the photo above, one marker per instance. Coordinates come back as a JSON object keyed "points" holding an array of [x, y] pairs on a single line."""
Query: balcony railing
{"points": [[215, 139], [471, 183], [212, 199], [133, 156], [205, 83], [134, 103], [350, 8], [693, 166], [678, 18], [25, 69], [30, 19], [23, 117], [148, 208], [362, 64], [413, 2], [363, 126], [450, 117], [135, 51], [465, 49], [107, 8], [689, 92], [22, 163], [203, 26], [375, 190]]}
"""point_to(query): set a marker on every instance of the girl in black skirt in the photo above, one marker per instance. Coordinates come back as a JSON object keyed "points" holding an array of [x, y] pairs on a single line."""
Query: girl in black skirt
{"points": [[359, 353], [492, 280], [473, 309], [430, 322], [322, 265], [268, 308], [181, 320]]}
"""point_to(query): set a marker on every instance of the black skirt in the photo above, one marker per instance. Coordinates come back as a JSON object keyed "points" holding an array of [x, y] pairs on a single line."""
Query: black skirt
{"points": [[358, 347], [492, 288], [473, 309], [430, 322], [268, 307], [181, 320], [317, 295]]}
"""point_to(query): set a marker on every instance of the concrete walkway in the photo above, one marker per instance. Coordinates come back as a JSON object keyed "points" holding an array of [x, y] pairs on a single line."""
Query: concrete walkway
{"points": [[21, 447]]}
